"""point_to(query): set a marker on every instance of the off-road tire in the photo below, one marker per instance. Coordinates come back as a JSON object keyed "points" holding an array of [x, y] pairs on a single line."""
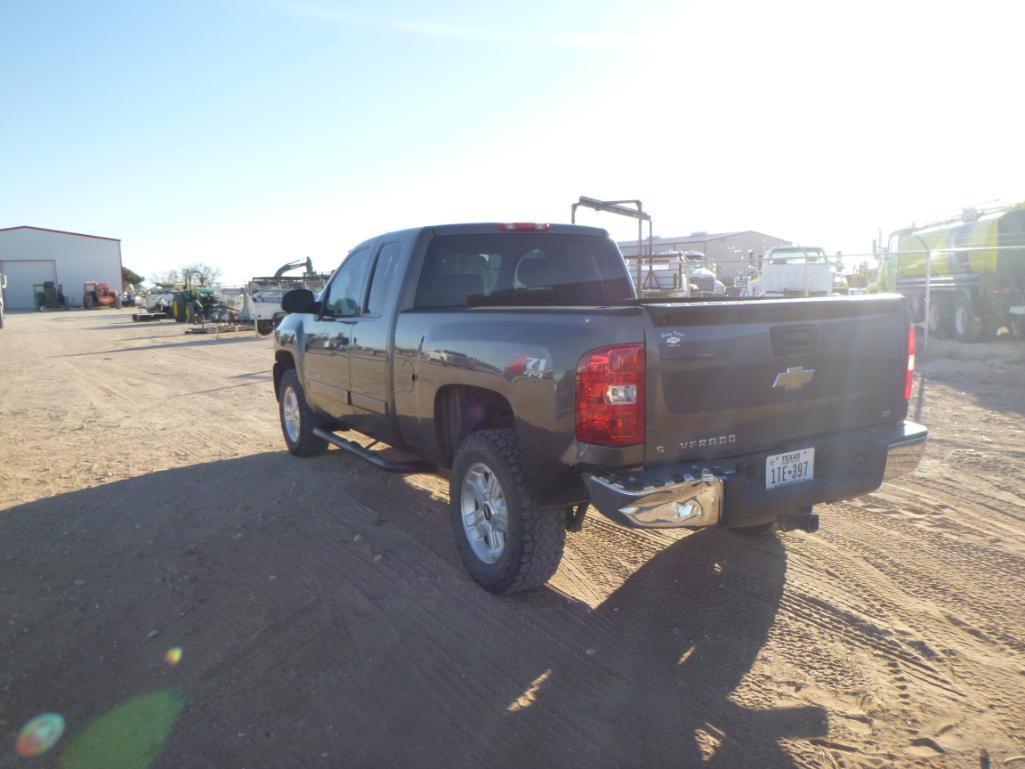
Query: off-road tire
{"points": [[536, 535], [942, 323], [976, 326], [307, 444]]}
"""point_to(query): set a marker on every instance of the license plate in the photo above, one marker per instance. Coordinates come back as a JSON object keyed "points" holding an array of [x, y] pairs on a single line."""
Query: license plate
{"points": [[792, 467]]}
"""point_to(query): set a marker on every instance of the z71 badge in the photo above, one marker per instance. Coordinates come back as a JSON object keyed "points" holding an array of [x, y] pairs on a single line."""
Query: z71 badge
{"points": [[534, 368]]}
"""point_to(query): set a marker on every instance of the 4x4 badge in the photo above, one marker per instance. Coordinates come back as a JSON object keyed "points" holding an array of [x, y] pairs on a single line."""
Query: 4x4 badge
{"points": [[793, 378]]}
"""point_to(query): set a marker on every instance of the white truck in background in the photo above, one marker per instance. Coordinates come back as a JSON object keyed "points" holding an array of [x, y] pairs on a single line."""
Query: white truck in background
{"points": [[3, 285], [675, 273], [795, 271], [259, 301]]}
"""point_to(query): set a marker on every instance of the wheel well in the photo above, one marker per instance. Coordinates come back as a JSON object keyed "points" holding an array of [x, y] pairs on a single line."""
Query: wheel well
{"points": [[461, 409], [283, 361]]}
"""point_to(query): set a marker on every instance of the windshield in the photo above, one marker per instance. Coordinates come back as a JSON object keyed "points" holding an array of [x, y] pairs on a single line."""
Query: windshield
{"points": [[798, 256]]}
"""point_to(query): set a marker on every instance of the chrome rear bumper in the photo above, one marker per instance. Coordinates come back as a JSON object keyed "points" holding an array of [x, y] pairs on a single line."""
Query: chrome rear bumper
{"points": [[692, 502], [903, 456], [733, 492]]}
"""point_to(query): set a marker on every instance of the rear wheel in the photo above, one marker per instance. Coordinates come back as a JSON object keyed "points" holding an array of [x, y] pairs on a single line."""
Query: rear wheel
{"points": [[506, 540], [1018, 325], [297, 418], [941, 311], [970, 323]]}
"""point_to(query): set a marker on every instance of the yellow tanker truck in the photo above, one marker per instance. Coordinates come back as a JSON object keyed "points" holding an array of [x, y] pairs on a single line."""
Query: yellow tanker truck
{"points": [[976, 271]]}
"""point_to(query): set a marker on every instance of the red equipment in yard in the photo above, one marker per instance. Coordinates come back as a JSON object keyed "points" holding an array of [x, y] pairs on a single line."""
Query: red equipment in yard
{"points": [[99, 295]]}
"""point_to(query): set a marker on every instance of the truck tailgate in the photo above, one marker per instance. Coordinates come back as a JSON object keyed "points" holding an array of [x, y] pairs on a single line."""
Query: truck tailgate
{"points": [[736, 377]]}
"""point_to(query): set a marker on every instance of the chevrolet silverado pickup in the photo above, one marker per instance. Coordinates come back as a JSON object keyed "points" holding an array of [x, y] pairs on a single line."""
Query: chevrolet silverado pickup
{"points": [[518, 360]]}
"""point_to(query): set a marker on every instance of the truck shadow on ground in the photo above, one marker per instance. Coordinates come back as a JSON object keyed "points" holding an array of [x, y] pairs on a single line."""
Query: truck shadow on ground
{"points": [[995, 386], [205, 340], [323, 618]]}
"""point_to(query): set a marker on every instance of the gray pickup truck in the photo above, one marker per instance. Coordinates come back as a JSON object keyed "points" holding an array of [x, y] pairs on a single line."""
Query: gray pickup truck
{"points": [[518, 359]]}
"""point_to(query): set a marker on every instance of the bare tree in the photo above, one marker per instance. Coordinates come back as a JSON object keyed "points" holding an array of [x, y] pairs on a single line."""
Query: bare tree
{"points": [[210, 274], [167, 276]]}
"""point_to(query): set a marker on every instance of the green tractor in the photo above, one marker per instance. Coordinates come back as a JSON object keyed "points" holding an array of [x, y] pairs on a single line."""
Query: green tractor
{"points": [[196, 302], [46, 296]]}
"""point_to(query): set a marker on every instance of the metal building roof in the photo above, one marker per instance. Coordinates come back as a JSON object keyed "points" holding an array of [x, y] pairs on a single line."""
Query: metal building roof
{"points": [[697, 237], [61, 232]]}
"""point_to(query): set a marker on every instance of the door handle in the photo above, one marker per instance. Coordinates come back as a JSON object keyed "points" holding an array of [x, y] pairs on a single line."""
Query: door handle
{"points": [[792, 340]]}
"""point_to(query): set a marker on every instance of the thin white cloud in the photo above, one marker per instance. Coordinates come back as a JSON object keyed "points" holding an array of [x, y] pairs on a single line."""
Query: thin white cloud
{"points": [[469, 34]]}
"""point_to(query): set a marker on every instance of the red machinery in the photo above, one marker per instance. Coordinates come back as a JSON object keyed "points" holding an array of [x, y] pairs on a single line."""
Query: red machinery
{"points": [[99, 295]]}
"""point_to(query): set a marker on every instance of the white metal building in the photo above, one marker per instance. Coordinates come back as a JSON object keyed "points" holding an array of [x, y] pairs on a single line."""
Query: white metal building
{"points": [[33, 255], [726, 252]]}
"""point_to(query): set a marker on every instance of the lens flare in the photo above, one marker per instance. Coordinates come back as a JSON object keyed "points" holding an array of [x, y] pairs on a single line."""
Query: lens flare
{"points": [[173, 656], [128, 737], [39, 735]]}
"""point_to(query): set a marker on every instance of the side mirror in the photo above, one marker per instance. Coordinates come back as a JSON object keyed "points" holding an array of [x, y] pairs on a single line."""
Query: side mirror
{"points": [[299, 300]]}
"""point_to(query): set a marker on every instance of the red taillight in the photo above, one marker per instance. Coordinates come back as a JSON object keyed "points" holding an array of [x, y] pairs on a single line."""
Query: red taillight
{"points": [[521, 226], [610, 396], [911, 363]]}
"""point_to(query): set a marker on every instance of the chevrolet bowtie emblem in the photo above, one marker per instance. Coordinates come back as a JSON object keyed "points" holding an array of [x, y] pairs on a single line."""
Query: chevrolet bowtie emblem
{"points": [[793, 378]]}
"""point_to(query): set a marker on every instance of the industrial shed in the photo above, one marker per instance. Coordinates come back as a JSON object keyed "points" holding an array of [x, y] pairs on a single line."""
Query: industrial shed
{"points": [[728, 250], [33, 255]]}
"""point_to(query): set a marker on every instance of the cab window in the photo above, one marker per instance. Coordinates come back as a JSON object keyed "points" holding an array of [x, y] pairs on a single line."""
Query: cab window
{"points": [[345, 293]]}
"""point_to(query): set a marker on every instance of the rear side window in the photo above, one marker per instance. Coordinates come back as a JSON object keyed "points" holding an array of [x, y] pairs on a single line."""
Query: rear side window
{"points": [[522, 268], [382, 282]]}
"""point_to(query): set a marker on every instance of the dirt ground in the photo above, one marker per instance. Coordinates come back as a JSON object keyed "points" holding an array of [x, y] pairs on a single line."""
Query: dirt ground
{"points": [[323, 618]]}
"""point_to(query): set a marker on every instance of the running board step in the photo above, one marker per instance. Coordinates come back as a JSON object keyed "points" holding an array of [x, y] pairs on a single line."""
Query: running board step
{"points": [[402, 463]]}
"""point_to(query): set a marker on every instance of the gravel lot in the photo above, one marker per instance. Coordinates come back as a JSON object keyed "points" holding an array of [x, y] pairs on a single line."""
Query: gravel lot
{"points": [[323, 618]]}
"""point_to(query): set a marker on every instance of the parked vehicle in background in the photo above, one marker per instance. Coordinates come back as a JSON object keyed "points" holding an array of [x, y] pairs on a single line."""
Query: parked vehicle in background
{"points": [[47, 296], [99, 295], [519, 359], [795, 271], [259, 300], [840, 284], [676, 274], [194, 301], [661, 274], [188, 301], [703, 282], [3, 287], [976, 270], [156, 298]]}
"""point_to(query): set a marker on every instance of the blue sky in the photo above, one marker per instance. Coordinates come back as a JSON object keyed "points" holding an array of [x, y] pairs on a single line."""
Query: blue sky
{"points": [[249, 133]]}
